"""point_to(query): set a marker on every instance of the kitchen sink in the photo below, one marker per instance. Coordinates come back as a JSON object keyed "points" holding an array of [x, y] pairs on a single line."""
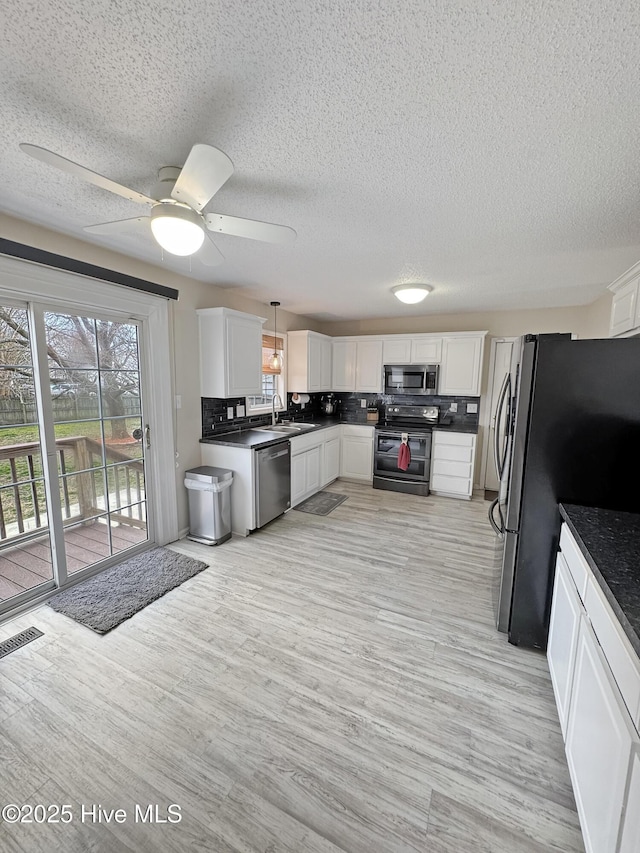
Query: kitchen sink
{"points": [[288, 428]]}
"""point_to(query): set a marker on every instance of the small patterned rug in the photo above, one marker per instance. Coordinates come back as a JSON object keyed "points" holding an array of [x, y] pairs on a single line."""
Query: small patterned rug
{"points": [[321, 503], [108, 598]]}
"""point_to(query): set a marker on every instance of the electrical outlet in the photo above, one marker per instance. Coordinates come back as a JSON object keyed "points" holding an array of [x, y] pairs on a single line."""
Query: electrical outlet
{"points": [[472, 408], [229, 413], [178, 401], [363, 403], [453, 407], [240, 410]]}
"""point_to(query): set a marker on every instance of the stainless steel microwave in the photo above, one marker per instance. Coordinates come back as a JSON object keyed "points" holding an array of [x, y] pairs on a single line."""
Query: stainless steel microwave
{"points": [[411, 378]]}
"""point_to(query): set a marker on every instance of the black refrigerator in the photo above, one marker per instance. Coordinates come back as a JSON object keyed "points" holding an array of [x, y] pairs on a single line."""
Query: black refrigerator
{"points": [[568, 430]]}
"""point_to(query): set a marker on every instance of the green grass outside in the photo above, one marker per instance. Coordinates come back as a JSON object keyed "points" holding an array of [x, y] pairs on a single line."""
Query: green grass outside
{"points": [[25, 434]]}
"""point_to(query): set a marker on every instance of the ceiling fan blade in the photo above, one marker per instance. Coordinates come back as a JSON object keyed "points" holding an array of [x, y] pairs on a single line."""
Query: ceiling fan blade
{"points": [[138, 227], [205, 171], [83, 173], [209, 254], [238, 227]]}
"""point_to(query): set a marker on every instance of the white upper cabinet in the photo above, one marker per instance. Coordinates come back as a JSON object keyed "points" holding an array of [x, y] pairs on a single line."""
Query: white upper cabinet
{"points": [[369, 366], [414, 350], [230, 353], [426, 350], [308, 362], [396, 350], [344, 366], [461, 368], [357, 365], [625, 307]]}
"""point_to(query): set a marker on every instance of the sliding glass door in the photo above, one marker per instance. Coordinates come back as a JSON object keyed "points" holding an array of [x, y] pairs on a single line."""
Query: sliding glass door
{"points": [[73, 381], [25, 548]]}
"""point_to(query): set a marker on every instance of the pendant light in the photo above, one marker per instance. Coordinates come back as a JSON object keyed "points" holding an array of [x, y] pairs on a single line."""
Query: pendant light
{"points": [[276, 358]]}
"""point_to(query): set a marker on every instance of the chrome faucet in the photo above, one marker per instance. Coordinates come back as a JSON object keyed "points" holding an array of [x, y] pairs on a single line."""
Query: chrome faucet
{"points": [[273, 407]]}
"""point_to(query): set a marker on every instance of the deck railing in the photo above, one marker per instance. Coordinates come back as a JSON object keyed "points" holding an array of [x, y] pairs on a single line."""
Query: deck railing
{"points": [[22, 498]]}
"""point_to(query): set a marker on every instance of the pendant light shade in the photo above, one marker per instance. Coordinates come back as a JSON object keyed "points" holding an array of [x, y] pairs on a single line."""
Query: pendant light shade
{"points": [[410, 294], [276, 358]]}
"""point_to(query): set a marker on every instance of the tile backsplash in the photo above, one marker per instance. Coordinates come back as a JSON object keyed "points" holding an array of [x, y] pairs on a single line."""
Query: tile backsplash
{"points": [[348, 407]]}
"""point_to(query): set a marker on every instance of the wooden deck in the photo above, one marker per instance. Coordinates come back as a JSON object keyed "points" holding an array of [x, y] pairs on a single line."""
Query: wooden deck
{"points": [[27, 566]]}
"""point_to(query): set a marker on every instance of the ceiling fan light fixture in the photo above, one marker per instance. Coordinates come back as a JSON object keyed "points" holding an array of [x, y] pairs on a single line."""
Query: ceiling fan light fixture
{"points": [[177, 229], [411, 294]]}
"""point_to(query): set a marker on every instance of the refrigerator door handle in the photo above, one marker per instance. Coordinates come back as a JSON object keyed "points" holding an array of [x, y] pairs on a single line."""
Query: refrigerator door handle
{"points": [[499, 528], [499, 436]]}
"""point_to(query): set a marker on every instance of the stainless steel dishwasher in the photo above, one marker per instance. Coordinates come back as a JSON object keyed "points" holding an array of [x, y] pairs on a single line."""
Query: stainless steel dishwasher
{"points": [[273, 481]]}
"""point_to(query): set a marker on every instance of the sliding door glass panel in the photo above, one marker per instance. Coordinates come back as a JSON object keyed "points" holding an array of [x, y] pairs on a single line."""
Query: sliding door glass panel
{"points": [[94, 375], [25, 550]]}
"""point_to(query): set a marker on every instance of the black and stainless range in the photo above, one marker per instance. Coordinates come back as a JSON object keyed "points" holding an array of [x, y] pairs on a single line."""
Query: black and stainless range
{"points": [[415, 423]]}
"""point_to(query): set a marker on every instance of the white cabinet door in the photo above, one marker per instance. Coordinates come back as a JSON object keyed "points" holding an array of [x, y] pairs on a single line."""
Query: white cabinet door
{"points": [[461, 366], [630, 837], [325, 364], [314, 367], [624, 309], [426, 351], [331, 460], [369, 366], [563, 638], [298, 478], [244, 353], [313, 470], [230, 353], [356, 458], [396, 351], [344, 366], [600, 744]]}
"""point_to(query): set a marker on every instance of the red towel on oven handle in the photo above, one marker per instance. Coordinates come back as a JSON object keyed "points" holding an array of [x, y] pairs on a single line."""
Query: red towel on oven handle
{"points": [[404, 456]]}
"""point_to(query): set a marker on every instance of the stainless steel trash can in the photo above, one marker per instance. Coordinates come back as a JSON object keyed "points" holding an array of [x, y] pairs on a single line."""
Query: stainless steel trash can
{"points": [[209, 491]]}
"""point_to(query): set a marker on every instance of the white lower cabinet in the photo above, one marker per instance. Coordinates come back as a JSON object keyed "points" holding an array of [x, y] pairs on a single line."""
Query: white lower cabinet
{"points": [[630, 832], [315, 460], [331, 460], [600, 741], [563, 638], [452, 463], [357, 452], [595, 685]]}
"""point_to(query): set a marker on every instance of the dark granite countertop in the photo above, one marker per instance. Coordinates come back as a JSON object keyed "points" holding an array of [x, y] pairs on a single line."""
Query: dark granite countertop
{"points": [[457, 428], [254, 439], [610, 542]]}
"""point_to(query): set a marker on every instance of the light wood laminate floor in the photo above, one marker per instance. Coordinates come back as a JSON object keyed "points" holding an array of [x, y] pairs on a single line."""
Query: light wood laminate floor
{"points": [[328, 684]]}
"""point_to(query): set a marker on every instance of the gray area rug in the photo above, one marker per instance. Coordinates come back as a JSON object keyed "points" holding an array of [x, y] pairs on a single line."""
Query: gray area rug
{"points": [[106, 600], [321, 503]]}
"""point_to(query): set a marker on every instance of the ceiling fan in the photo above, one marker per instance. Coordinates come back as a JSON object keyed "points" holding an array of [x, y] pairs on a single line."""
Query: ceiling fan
{"points": [[176, 219]]}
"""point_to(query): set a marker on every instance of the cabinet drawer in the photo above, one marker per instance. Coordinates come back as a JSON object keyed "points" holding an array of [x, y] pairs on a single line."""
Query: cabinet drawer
{"points": [[576, 563], [452, 453], [462, 439], [357, 430], [451, 469], [452, 485], [622, 660]]}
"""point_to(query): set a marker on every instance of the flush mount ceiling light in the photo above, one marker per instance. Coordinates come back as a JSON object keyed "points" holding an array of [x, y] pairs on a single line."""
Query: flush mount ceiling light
{"points": [[177, 228], [412, 293]]}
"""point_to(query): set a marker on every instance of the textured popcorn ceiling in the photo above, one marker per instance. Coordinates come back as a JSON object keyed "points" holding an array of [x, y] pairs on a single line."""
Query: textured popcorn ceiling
{"points": [[489, 148]]}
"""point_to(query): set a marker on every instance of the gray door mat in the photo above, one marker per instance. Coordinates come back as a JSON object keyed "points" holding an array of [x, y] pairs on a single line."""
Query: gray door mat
{"points": [[322, 503], [116, 594]]}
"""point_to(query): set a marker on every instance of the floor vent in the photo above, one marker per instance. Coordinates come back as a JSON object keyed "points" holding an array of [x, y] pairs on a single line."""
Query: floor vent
{"points": [[18, 640]]}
